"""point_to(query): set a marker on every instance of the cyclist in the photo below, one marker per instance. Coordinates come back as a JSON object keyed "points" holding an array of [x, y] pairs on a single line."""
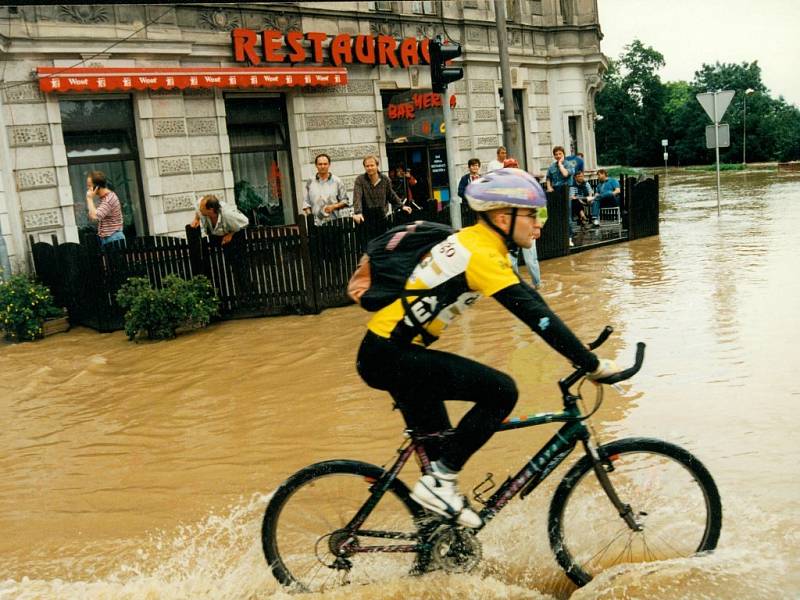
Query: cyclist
{"points": [[472, 262]]}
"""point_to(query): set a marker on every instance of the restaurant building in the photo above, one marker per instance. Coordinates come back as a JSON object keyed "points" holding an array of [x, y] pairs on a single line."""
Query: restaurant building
{"points": [[176, 101]]}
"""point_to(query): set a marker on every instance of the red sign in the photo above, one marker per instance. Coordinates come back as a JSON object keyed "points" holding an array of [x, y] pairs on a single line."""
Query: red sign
{"points": [[99, 79], [273, 46], [405, 110]]}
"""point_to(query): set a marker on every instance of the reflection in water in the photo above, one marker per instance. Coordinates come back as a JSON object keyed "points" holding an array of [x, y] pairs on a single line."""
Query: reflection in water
{"points": [[142, 470]]}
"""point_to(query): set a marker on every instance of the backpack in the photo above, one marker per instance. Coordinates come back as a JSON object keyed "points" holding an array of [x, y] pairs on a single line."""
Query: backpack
{"points": [[381, 275]]}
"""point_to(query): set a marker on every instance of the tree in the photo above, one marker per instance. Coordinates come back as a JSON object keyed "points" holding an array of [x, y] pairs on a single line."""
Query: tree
{"points": [[632, 105], [639, 110]]}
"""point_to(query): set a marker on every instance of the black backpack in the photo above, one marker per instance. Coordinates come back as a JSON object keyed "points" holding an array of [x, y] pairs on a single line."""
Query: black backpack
{"points": [[381, 276]]}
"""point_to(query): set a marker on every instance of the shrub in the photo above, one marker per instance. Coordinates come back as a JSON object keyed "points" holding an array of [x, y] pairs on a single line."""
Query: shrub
{"points": [[24, 305], [159, 313]]}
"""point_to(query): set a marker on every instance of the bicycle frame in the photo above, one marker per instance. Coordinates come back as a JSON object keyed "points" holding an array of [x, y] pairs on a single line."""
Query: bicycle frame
{"points": [[526, 480]]}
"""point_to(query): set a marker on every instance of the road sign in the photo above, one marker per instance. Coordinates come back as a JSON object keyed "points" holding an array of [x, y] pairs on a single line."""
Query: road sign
{"points": [[664, 142], [706, 100], [724, 136]]}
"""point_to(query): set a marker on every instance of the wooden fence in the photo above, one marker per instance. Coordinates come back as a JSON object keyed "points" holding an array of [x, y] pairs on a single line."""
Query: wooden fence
{"points": [[295, 269]]}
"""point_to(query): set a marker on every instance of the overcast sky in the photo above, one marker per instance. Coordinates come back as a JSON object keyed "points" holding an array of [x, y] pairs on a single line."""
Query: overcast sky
{"points": [[692, 32]]}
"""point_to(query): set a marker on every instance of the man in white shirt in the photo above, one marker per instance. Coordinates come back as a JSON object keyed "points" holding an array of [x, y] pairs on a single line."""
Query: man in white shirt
{"points": [[324, 196], [502, 155]]}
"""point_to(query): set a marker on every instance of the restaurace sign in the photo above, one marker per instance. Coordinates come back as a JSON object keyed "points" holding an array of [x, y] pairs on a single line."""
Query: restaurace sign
{"points": [[295, 47]]}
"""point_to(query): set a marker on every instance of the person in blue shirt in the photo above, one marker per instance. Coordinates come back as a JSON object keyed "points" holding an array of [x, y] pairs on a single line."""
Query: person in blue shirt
{"points": [[580, 197], [559, 174], [574, 162], [608, 194]]}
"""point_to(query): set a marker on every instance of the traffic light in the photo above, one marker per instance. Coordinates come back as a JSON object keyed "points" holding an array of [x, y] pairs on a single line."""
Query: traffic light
{"points": [[441, 74]]}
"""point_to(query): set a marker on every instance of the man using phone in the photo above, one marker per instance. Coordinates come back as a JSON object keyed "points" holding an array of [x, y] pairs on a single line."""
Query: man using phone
{"points": [[108, 213], [559, 174]]}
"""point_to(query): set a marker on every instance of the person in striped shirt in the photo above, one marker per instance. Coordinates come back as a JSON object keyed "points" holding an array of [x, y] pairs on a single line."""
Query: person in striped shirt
{"points": [[108, 213]]}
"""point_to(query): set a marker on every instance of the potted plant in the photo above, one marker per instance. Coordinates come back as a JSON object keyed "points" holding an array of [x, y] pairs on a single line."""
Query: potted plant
{"points": [[158, 313], [27, 310]]}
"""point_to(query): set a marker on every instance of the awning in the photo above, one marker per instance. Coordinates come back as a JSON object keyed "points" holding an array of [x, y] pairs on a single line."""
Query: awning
{"points": [[99, 79]]}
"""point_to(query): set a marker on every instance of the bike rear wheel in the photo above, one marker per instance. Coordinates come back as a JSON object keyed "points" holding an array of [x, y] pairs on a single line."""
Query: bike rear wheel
{"points": [[672, 495], [303, 535]]}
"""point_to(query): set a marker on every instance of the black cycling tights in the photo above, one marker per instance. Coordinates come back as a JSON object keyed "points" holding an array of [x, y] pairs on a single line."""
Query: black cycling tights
{"points": [[420, 379]]}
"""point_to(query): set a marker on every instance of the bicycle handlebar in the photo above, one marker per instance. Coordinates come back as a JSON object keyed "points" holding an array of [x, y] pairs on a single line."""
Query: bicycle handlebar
{"points": [[611, 379], [602, 337], [630, 371]]}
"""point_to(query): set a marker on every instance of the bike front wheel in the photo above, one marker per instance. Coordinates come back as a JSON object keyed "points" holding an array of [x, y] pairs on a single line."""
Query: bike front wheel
{"points": [[308, 539], [672, 497]]}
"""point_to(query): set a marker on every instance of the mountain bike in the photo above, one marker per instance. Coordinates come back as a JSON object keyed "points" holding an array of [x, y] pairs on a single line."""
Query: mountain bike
{"points": [[630, 500]]}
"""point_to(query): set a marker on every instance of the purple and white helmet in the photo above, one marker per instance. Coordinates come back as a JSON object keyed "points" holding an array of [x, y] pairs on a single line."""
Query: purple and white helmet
{"points": [[503, 188]]}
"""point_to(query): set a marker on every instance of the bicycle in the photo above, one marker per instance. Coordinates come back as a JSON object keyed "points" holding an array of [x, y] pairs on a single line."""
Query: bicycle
{"points": [[648, 500]]}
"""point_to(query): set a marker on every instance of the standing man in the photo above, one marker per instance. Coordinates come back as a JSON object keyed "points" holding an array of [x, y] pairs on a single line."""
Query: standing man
{"points": [[474, 165], [502, 155], [608, 194], [372, 192], [558, 174], [108, 214], [324, 196]]}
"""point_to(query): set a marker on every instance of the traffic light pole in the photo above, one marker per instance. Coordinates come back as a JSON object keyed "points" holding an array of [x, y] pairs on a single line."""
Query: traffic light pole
{"points": [[451, 147], [509, 119]]}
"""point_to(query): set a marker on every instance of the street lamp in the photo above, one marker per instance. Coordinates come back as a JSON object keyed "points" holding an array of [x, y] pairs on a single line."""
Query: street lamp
{"points": [[747, 92]]}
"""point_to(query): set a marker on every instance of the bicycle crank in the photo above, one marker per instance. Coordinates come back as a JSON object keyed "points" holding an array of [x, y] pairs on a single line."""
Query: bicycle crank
{"points": [[455, 550]]}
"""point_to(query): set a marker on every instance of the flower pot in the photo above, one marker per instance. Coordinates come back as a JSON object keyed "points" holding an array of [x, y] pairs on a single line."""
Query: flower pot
{"points": [[57, 325]]}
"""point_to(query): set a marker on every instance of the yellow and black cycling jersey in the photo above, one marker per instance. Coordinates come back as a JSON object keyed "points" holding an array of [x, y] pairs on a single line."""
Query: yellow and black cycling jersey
{"points": [[471, 263], [456, 272]]}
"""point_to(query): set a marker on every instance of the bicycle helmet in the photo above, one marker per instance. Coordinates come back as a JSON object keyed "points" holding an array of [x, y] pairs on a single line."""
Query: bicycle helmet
{"points": [[505, 187]]}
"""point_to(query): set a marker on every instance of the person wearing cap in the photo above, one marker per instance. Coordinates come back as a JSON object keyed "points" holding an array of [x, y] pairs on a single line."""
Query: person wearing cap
{"points": [[394, 355]]}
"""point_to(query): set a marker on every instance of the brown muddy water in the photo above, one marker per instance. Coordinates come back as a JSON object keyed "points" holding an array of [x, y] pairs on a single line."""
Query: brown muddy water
{"points": [[142, 470]]}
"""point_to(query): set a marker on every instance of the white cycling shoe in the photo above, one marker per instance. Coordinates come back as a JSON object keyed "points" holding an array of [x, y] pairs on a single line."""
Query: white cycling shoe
{"points": [[439, 494]]}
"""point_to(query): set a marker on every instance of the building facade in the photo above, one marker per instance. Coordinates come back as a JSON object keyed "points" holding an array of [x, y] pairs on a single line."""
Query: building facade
{"points": [[176, 101]]}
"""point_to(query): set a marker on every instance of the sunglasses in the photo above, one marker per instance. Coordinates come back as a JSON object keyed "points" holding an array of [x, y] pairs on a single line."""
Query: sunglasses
{"points": [[540, 214]]}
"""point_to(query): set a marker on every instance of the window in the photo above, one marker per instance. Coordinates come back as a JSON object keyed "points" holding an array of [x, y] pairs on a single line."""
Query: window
{"points": [[426, 7], [100, 135], [261, 159], [381, 6]]}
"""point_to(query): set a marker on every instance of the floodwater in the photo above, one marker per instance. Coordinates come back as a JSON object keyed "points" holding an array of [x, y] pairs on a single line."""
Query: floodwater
{"points": [[142, 470]]}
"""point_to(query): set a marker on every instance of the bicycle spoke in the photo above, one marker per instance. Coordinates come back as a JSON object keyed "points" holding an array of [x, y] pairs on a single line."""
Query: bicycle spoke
{"points": [[673, 497], [605, 548], [311, 522]]}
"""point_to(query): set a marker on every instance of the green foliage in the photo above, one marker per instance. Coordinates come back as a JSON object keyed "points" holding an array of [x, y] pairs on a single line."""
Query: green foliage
{"points": [[722, 167], [25, 304], [632, 105], [159, 312], [639, 111]]}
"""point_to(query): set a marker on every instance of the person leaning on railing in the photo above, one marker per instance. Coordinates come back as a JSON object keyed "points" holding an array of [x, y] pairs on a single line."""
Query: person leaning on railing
{"points": [[219, 221]]}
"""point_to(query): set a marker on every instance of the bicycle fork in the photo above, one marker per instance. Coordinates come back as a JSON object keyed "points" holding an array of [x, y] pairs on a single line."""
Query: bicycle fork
{"points": [[602, 466]]}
